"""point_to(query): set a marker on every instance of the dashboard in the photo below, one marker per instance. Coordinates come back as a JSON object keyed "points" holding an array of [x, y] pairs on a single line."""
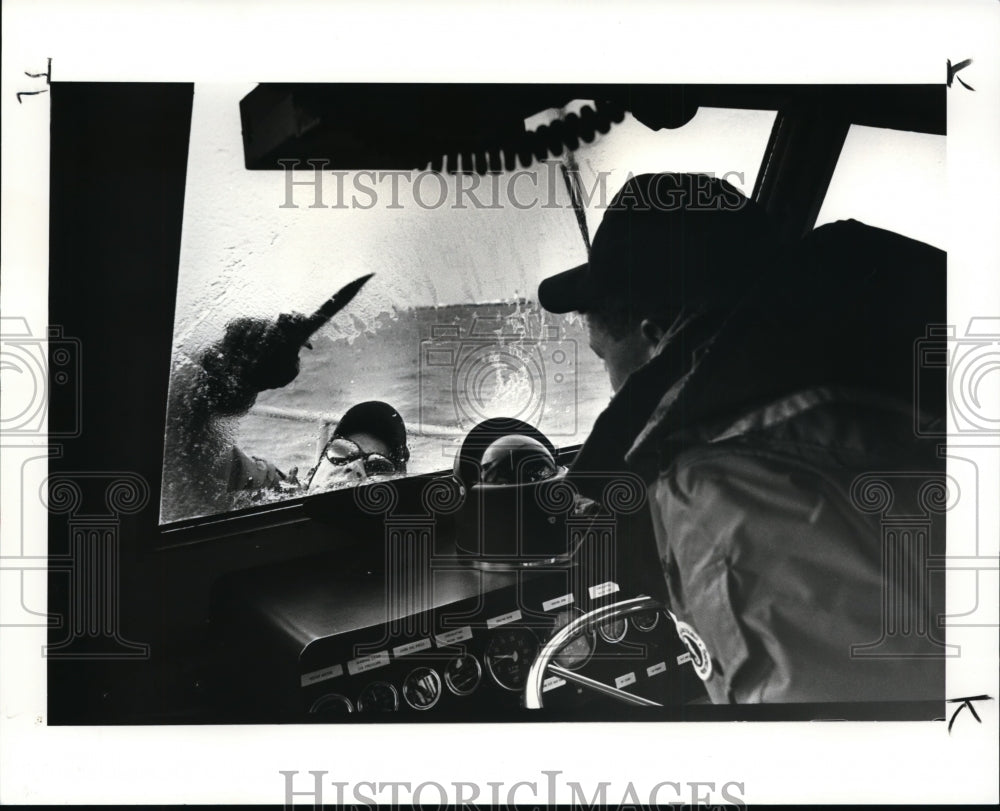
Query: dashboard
{"points": [[455, 643]]}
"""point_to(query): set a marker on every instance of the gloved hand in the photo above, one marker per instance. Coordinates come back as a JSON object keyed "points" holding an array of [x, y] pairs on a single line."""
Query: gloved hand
{"points": [[255, 354]]}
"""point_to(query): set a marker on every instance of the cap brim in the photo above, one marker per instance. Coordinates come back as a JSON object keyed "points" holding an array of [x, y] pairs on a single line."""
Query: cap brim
{"points": [[376, 418], [568, 291]]}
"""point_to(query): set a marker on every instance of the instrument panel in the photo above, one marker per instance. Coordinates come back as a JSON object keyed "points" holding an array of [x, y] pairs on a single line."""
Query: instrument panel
{"points": [[503, 664], [465, 657]]}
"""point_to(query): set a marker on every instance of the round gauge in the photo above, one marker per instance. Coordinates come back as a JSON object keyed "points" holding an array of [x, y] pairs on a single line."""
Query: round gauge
{"points": [[331, 704], [462, 674], [379, 696], [646, 620], [422, 688], [578, 652], [613, 630], [509, 656]]}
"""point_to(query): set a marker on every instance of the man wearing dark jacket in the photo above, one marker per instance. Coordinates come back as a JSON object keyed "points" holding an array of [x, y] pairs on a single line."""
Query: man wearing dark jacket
{"points": [[765, 394]]}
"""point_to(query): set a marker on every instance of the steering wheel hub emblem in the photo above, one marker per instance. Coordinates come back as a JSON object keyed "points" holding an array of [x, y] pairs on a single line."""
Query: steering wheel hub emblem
{"points": [[700, 657]]}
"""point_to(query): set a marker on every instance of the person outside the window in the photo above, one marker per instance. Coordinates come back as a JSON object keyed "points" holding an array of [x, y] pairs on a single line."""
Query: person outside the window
{"points": [[204, 470]]}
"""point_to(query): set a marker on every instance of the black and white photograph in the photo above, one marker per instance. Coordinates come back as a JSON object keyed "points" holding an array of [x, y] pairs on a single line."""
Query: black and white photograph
{"points": [[590, 426]]}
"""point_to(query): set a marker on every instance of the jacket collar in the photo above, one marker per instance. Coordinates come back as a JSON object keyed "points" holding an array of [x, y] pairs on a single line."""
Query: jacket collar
{"points": [[843, 313], [629, 412]]}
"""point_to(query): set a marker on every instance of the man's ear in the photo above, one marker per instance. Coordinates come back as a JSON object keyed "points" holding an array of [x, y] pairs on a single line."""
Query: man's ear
{"points": [[651, 331]]}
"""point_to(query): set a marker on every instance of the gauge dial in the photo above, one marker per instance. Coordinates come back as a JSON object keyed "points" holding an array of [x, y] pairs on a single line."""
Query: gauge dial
{"points": [[331, 704], [379, 696], [509, 656], [462, 674], [613, 630], [646, 620], [422, 688], [578, 652]]}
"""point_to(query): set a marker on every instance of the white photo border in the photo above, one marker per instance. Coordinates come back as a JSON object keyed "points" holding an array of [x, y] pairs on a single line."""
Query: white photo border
{"points": [[762, 43]]}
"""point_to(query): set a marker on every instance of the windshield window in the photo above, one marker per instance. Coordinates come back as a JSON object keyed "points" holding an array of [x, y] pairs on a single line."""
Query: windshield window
{"points": [[904, 194], [447, 331]]}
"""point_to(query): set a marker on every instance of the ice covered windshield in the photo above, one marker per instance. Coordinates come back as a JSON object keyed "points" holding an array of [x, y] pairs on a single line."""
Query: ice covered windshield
{"points": [[446, 333]]}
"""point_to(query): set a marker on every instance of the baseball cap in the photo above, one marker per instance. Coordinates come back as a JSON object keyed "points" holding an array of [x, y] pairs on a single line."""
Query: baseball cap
{"points": [[667, 240], [381, 421]]}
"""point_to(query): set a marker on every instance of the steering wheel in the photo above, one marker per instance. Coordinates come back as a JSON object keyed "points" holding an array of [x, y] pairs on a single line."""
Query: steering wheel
{"points": [[543, 662]]}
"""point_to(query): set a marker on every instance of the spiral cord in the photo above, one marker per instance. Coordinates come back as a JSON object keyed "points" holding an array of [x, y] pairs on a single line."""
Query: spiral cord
{"points": [[549, 140]]}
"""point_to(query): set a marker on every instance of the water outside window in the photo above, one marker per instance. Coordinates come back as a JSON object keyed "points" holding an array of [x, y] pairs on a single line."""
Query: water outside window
{"points": [[447, 331]]}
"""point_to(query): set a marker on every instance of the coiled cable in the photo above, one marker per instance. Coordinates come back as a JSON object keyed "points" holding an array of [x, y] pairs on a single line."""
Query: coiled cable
{"points": [[549, 140]]}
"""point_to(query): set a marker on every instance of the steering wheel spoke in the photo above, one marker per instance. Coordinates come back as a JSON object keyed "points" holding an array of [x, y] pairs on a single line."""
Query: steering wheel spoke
{"points": [[544, 661], [601, 687]]}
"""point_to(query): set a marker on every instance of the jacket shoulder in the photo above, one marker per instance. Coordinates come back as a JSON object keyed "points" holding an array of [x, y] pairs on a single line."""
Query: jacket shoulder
{"points": [[774, 557]]}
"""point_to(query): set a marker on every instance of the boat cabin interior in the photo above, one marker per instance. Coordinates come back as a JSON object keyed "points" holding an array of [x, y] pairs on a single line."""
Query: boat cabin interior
{"points": [[439, 594]]}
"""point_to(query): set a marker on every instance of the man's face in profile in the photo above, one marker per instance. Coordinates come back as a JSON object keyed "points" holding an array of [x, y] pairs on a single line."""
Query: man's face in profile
{"points": [[351, 460], [622, 355]]}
